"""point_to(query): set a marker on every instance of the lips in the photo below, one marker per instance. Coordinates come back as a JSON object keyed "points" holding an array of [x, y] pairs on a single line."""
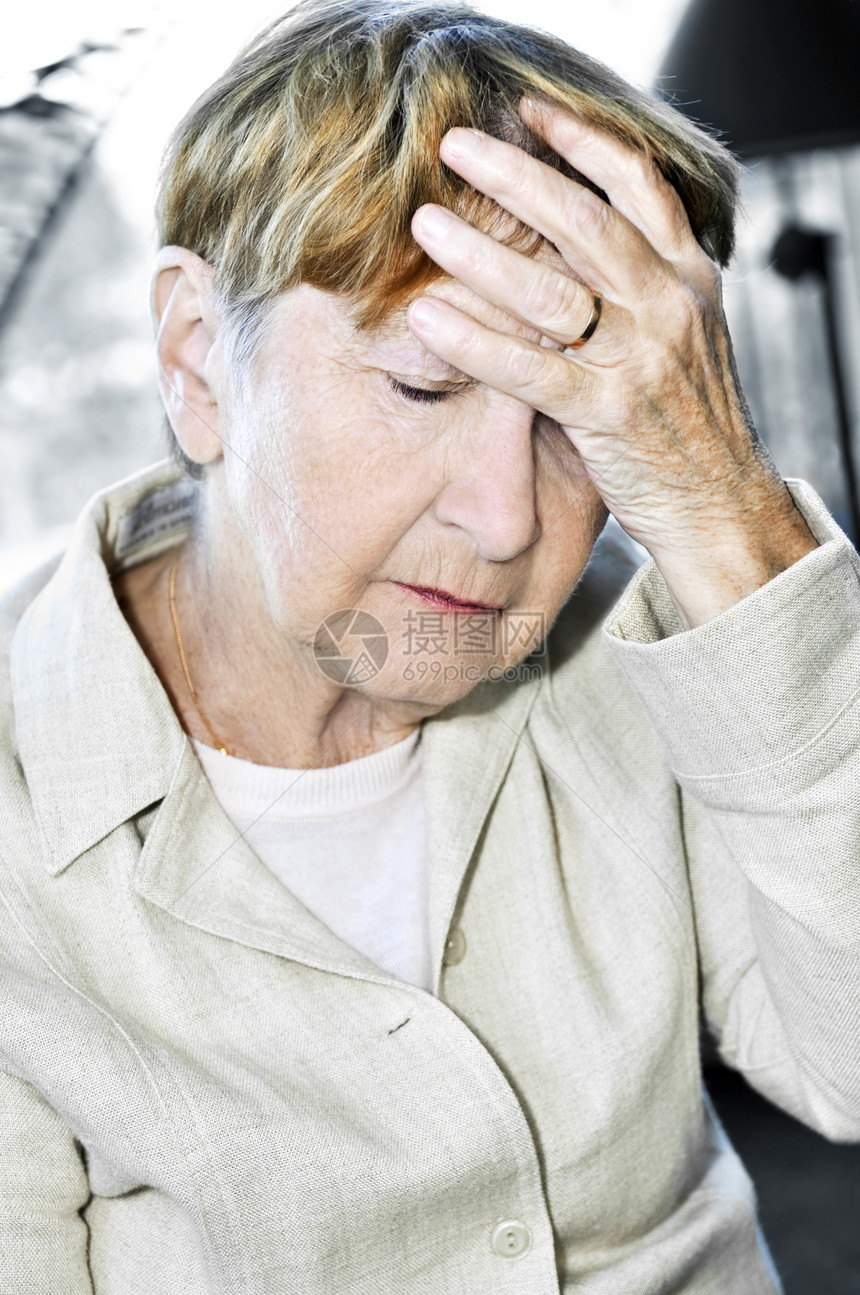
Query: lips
{"points": [[441, 598]]}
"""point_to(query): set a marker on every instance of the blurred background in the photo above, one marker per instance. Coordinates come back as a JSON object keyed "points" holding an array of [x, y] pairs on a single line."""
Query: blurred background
{"points": [[89, 92]]}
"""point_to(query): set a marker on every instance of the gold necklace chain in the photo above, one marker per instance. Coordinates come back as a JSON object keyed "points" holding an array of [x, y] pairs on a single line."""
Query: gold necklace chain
{"points": [[172, 592]]}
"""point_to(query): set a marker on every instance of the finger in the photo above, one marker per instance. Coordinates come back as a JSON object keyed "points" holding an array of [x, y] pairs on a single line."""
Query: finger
{"points": [[598, 242], [534, 292], [632, 181], [542, 378]]}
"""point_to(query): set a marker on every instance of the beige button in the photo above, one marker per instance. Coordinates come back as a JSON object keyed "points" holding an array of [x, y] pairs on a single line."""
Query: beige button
{"points": [[455, 948], [511, 1239]]}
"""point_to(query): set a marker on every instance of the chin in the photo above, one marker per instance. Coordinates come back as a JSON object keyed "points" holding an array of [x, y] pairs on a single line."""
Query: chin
{"points": [[429, 684]]}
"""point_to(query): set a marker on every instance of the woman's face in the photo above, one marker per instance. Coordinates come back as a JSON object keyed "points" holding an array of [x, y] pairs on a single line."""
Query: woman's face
{"points": [[364, 464]]}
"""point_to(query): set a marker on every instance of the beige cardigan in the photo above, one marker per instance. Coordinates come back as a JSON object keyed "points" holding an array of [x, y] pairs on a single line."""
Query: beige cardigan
{"points": [[204, 1090]]}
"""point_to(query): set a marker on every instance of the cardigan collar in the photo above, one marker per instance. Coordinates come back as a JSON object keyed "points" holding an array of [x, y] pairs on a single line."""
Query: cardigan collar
{"points": [[96, 735]]}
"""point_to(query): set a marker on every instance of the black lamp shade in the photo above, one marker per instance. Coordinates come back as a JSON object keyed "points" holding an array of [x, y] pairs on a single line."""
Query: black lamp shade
{"points": [[770, 75]]}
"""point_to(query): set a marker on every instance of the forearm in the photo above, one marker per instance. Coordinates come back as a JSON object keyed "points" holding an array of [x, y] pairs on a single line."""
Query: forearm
{"points": [[757, 712]]}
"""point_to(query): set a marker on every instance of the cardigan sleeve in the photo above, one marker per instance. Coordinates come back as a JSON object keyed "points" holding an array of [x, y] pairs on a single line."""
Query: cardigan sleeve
{"points": [[43, 1187], [757, 711]]}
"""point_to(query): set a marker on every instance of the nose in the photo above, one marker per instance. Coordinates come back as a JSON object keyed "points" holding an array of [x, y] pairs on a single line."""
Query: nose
{"points": [[491, 487]]}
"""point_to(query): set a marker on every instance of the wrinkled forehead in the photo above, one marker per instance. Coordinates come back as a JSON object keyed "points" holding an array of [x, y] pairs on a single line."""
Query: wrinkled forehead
{"points": [[333, 321]]}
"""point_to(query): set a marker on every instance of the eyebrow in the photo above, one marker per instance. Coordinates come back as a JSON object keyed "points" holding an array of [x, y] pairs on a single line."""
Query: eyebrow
{"points": [[395, 329]]}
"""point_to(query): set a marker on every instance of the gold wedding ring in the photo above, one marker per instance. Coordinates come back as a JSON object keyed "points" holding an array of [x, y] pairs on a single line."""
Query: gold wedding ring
{"points": [[588, 331]]}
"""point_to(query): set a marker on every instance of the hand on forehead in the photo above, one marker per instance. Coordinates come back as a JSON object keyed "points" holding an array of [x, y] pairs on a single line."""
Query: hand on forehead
{"points": [[629, 299]]}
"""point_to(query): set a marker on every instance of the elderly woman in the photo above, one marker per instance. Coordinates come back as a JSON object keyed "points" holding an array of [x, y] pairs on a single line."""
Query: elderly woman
{"points": [[376, 822]]}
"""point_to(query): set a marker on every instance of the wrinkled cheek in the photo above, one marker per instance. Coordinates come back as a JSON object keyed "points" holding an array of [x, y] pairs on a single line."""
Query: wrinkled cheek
{"points": [[571, 528], [570, 505]]}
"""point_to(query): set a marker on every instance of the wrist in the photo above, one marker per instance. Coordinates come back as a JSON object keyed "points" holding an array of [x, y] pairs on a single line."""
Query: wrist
{"points": [[714, 570]]}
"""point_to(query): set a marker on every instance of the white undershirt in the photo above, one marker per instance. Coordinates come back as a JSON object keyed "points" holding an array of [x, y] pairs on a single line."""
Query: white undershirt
{"points": [[348, 841]]}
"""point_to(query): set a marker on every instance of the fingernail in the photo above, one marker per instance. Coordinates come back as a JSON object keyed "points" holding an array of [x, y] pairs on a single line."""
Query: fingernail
{"points": [[434, 221], [424, 312], [462, 141]]}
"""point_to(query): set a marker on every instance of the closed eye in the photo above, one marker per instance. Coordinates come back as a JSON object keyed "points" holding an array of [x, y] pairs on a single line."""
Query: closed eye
{"points": [[429, 395]]}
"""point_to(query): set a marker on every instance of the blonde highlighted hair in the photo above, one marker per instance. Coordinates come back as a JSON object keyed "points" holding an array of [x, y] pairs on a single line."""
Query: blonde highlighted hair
{"points": [[306, 160]]}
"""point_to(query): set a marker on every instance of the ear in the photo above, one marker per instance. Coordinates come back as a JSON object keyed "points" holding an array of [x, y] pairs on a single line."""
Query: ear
{"points": [[186, 323]]}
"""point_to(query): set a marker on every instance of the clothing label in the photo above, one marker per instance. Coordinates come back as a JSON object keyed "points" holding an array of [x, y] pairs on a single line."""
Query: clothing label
{"points": [[165, 510]]}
